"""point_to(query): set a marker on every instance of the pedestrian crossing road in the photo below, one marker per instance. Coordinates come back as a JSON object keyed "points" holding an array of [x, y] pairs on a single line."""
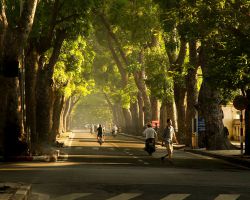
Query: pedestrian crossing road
{"points": [[137, 196]]}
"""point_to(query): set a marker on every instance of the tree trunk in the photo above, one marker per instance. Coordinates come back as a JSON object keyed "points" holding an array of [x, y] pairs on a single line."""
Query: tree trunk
{"points": [[171, 112], [141, 113], [179, 96], [10, 117], [192, 91], [12, 42], [66, 113], [44, 108], [135, 116], [210, 109], [139, 77], [128, 119], [163, 116], [155, 108], [60, 130], [120, 116], [57, 109], [31, 70]]}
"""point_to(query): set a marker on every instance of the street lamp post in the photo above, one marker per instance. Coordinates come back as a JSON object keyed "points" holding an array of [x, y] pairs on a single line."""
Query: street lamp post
{"points": [[241, 132], [240, 103]]}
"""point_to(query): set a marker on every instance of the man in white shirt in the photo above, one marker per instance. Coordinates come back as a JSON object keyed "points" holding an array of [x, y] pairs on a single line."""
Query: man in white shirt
{"points": [[150, 135], [168, 136]]}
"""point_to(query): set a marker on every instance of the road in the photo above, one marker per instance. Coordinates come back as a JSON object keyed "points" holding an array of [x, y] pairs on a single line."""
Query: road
{"points": [[121, 170]]}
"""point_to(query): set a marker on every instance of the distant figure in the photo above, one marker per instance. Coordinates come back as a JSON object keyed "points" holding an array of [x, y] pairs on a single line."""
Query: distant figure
{"points": [[156, 127], [91, 128], [167, 138], [151, 136], [114, 130], [100, 131]]}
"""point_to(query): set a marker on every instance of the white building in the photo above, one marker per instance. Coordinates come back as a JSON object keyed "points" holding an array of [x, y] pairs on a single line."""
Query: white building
{"points": [[232, 121]]}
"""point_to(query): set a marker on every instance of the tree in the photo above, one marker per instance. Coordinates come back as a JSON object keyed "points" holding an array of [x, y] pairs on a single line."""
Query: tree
{"points": [[227, 49], [15, 26], [56, 21]]}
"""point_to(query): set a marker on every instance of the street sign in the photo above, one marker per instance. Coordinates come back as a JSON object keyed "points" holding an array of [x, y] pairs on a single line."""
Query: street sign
{"points": [[240, 102], [201, 124]]}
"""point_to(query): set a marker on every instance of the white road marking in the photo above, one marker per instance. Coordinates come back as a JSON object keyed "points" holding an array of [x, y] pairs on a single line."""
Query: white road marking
{"points": [[72, 196], [140, 160], [125, 196], [135, 157], [146, 163], [175, 197], [40, 196], [71, 137], [227, 197]]}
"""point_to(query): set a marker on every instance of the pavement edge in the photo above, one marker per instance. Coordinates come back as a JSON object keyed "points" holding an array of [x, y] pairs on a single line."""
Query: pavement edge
{"points": [[231, 159], [22, 193]]}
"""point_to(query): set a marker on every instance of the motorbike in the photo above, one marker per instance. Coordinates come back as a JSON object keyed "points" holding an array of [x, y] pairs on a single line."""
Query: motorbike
{"points": [[100, 140], [150, 146], [114, 133]]}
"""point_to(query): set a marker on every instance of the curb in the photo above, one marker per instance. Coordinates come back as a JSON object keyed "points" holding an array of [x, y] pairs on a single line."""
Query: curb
{"points": [[46, 158], [20, 192], [230, 159]]}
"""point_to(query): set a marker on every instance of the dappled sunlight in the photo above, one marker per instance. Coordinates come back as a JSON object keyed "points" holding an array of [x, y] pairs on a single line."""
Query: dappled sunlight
{"points": [[34, 165]]}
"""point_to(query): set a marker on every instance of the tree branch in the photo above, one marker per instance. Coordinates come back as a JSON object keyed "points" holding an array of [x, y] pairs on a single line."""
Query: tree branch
{"points": [[61, 35], [182, 53], [113, 36], [26, 22], [118, 62]]}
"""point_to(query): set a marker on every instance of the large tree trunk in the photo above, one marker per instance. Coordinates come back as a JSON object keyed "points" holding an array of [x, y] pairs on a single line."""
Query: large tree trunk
{"points": [[163, 116], [57, 110], [128, 119], [155, 108], [12, 42], [146, 100], [135, 116], [192, 91], [44, 109], [210, 109], [139, 77], [141, 113], [179, 96], [45, 95], [66, 113], [31, 70], [11, 123], [120, 117]]}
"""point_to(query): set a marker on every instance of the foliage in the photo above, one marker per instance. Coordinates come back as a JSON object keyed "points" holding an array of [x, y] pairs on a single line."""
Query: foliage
{"points": [[74, 63], [228, 49]]}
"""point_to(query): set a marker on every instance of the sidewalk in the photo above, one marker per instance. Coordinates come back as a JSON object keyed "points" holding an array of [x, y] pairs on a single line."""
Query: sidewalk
{"points": [[14, 191], [232, 156]]}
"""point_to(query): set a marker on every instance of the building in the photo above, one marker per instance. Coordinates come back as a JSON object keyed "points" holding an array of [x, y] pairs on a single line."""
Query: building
{"points": [[232, 121]]}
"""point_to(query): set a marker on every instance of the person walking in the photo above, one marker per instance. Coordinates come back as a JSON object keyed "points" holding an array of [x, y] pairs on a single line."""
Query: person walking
{"points": [[100, 134], [167, 138], [151, 136]]}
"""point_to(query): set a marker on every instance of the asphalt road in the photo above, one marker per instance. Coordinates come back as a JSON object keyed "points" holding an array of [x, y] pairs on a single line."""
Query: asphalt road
{"points": [[120, 170]]}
